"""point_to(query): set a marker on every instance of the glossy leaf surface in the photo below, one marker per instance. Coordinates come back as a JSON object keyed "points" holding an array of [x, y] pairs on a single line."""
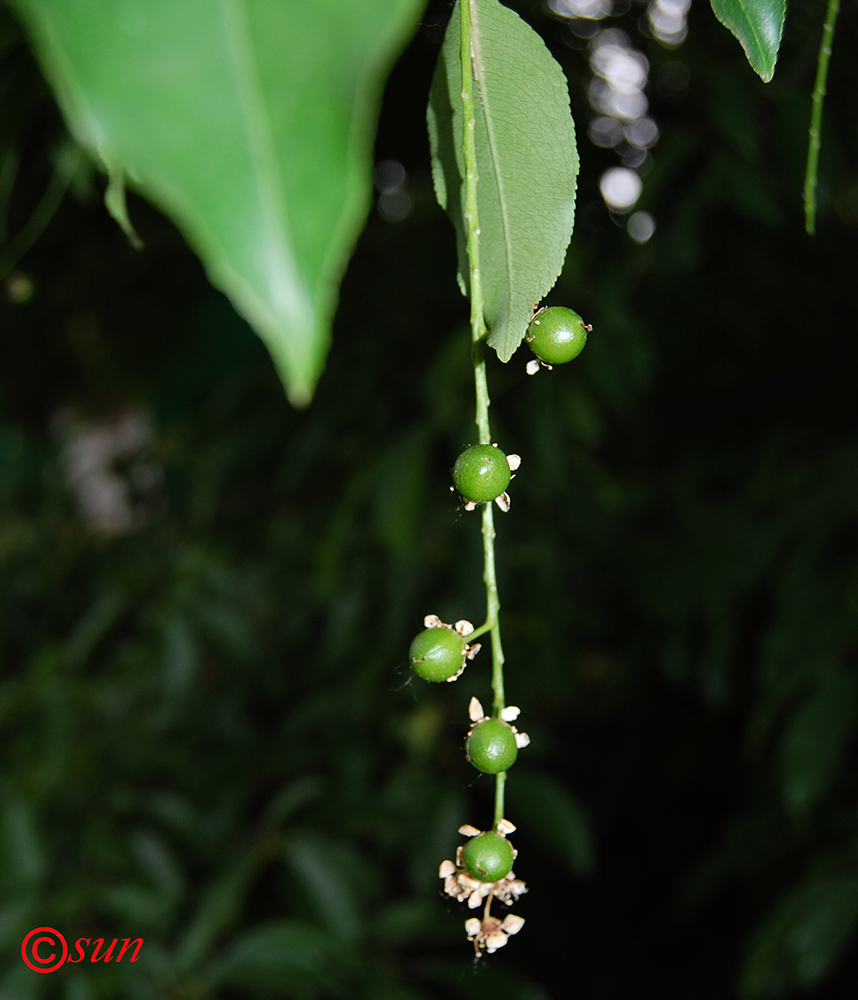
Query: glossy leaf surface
{"points": [[759, 25], [527, 164], [249, 123]]}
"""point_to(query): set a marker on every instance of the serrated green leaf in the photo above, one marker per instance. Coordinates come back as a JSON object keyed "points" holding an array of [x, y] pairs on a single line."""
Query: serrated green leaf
{"points": [[249, 123], [759, 25], [527, 164]]}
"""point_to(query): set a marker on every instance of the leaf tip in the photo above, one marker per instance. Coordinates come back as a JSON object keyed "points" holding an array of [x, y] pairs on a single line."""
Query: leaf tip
{"points": [[300, 396]]}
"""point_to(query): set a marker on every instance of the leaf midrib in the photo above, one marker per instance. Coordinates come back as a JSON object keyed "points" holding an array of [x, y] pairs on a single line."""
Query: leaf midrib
{"points": [[490, 133], [763, 45], [261, 143]]}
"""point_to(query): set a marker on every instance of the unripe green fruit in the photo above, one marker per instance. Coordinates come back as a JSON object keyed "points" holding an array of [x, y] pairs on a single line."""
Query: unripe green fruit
{"points": [[488, 857], [481, 473], [437, 654], [491, 746], [557, 335]]}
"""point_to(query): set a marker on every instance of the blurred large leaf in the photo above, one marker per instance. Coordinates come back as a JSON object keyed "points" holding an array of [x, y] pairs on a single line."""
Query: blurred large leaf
{"points": [[758, 24], [216, 908], [332, 875], [812, 745], [291, 958], [21, 845], [557, 820], [249, 123], [802, 937], [527, 164]]}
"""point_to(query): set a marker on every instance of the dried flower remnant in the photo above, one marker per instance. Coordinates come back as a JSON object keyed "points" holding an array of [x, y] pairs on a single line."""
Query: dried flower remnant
{"points": [[489, 933]]}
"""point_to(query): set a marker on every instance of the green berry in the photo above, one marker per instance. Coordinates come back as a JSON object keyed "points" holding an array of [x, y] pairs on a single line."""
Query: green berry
{"points": [[437, 654], [491, 746], [481, 473], [488, 857], [557, 335]]}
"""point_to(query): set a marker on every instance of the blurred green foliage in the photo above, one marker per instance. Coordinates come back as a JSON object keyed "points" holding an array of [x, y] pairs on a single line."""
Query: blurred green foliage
{"points": [[209, 735]]}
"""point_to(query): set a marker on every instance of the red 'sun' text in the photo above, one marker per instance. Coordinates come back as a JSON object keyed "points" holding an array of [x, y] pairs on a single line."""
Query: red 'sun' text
{"points": [[45, 950]]}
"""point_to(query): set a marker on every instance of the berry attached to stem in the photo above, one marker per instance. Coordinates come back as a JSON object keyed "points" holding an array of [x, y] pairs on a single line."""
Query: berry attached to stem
{"points": [[481, 473], [557, 335], [491, 746], [488, 857], [437, 654]]}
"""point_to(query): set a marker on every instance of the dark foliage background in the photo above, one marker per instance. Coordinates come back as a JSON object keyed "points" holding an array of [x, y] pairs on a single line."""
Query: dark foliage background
{"points": [[209, 735]]}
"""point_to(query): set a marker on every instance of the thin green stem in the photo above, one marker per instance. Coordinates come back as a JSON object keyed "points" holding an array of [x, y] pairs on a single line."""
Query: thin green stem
{"points": [[493, 608], [485, 627], [810, 176], [478, 336], [500, 784]]}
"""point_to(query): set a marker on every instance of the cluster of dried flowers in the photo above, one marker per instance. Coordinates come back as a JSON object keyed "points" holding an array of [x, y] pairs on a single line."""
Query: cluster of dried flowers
{"points": [[487, 933]]}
